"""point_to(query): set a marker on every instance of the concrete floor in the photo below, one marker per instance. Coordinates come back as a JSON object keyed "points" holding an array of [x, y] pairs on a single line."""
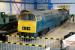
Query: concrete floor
{"points": [[57, 33], [61, 31]]}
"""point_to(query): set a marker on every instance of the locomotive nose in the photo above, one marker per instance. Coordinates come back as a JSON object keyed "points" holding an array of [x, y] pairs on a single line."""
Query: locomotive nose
{"points": [[27, 26]]}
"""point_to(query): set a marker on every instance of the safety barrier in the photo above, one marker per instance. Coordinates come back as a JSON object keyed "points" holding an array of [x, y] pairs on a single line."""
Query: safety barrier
{"points": [[42, 42], [18, 46], [33, 38], [28, 37], [23, 44], [39, 42]]}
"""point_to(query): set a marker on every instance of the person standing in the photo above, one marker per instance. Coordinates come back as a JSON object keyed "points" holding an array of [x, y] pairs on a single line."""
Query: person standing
{"points": [[72, 17]]}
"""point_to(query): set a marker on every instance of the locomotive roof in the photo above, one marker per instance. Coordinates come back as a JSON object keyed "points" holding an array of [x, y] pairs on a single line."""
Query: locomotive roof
{"points": [[40, 13], [43, 12]]}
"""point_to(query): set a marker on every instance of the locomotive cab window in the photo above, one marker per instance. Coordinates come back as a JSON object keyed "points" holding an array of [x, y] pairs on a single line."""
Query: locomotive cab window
{"points": [[39, 18], [27, 17]]}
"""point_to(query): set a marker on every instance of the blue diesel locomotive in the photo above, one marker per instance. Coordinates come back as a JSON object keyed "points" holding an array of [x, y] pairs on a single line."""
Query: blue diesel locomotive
{"points": [[36, 23]]}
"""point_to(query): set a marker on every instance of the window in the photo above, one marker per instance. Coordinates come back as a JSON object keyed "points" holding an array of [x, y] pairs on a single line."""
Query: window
{"points": [[27, 17], [39, 18]]}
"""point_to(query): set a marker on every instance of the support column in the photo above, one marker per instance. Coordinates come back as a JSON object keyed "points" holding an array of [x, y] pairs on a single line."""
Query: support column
{"points": [[50, 5], [10, 7], [35, 4]]}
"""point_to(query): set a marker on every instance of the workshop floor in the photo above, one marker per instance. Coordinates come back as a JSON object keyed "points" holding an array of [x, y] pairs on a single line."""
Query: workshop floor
{"points": [[57, 33]]}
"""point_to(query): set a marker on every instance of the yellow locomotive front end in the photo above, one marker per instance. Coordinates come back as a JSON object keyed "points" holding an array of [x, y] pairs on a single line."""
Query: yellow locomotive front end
{"points": [[27, 23], [27, 26]]}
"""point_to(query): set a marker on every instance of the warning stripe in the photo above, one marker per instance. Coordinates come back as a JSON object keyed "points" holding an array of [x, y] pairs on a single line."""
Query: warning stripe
{"points": [[27, 37], [23, 44]]}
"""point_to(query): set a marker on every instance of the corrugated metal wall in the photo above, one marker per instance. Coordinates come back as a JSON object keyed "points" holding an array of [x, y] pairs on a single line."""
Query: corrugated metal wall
{"points": [[18, 7], [71, 8], [72, 4], [4, 7], [39, 6]]}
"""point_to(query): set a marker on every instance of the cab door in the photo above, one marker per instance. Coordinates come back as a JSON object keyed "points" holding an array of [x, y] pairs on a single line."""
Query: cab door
{"points": [[39, 23]]}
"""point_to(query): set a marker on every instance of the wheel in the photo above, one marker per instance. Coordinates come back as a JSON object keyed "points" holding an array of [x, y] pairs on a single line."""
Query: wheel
{"points": [[35, 35], [44, 32]]}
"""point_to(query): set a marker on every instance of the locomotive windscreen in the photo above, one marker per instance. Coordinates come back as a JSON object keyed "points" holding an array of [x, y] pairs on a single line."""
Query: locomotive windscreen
{"points": [[27, 17]]}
